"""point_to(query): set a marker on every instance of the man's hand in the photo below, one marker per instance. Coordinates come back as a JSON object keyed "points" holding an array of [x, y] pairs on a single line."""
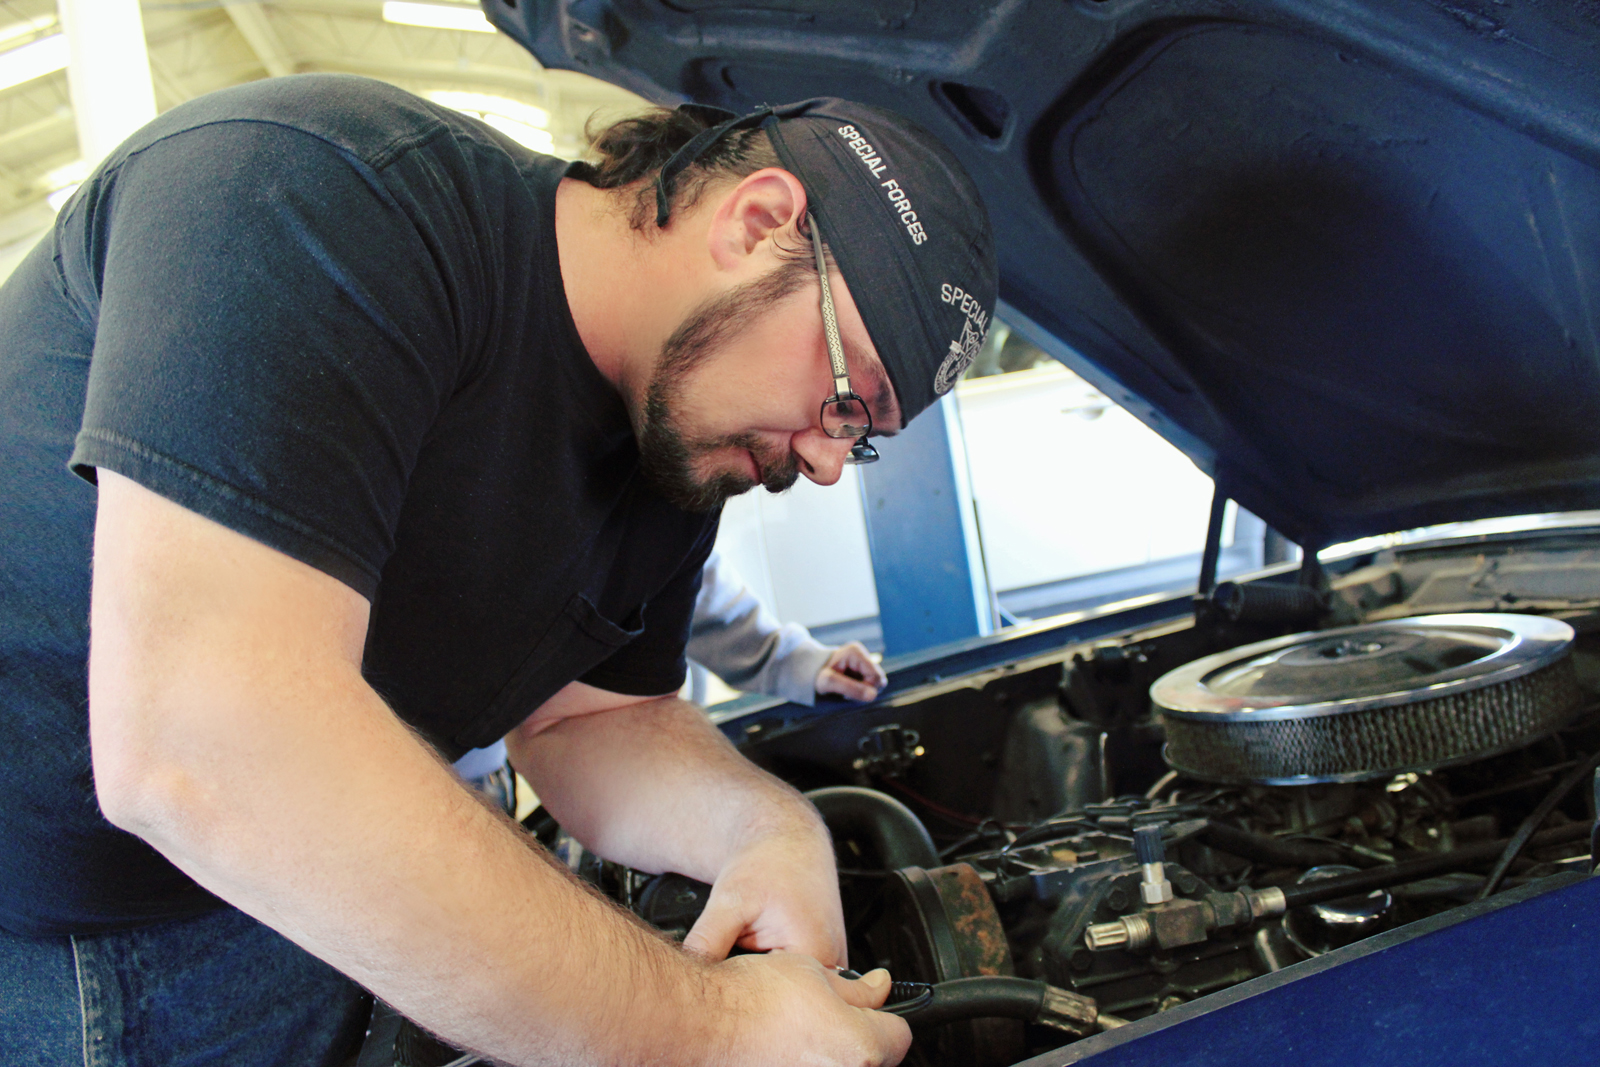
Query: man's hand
{"points": [[851, 672], [654, 785], [794, 1003], [780, 893]]}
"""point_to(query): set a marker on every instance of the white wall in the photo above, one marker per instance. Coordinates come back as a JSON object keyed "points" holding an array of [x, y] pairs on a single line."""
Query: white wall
{"points": [[804, 552], [1066, 484], [1069, 484]]}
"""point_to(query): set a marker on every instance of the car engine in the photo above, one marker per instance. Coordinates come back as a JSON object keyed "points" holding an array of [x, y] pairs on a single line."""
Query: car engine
{"points": [[1317, 788], [1063, 845]]}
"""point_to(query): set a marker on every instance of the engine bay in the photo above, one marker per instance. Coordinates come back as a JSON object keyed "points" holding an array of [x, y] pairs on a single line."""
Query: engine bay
{"points": [[1069, 852], [1020, 848]]}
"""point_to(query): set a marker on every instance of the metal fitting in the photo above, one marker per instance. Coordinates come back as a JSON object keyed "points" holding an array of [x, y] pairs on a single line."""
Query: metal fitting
{"points": [[1069, 1012], [1176, 923], [1155, 888], [1268, 901], [1131, 932], [1151, 851], [888, 750]]}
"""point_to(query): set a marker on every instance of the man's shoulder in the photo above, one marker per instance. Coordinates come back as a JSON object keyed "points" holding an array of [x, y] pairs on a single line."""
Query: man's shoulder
{"points": [[370, 120]]}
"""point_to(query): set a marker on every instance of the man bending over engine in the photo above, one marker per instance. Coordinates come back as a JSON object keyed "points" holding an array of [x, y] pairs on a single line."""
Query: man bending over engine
{"points": [[405, 439]]}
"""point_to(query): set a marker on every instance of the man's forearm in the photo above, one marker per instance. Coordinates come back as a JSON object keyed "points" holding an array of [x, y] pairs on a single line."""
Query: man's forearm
{"points": [[656, 786], [369, 854]]}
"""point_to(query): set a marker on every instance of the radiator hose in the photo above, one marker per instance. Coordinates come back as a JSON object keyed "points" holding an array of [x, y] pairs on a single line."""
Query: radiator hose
{"points": [[998, 997], [892, 829]]}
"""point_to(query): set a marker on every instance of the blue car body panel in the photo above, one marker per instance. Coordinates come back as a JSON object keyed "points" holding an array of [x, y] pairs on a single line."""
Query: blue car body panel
{"points": [[1510, 980]]}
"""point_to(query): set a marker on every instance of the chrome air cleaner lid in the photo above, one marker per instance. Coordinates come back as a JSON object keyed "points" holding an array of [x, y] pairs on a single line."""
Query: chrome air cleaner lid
{"points": [[1370, 700]]}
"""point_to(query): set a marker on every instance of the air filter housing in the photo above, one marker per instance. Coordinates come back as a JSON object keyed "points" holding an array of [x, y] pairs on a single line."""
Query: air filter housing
{"points": [[1369, 701]]}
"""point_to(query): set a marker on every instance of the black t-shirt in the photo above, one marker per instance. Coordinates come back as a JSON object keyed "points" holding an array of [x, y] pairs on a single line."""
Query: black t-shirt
{"points": [[328, 315]]}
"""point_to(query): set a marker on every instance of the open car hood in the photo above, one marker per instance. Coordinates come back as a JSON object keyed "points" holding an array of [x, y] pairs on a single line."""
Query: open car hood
{"points": [[1344, 253]]}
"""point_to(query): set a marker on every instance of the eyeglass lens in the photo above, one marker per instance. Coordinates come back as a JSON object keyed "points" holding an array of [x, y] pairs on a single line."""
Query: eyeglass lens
{"points": [[846, 416]]}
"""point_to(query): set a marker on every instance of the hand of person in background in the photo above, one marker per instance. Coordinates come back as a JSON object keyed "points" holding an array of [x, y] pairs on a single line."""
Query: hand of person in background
{"points": [[736, 638], [851, 672]]}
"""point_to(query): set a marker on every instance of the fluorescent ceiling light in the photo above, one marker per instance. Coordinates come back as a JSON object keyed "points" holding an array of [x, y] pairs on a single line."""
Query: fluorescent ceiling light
{"points": [[520, 132], [68, 174], [60, 196], [33, 60], [436, 16], [63, 182], [521, 122], [27, 27], [484, 104]]}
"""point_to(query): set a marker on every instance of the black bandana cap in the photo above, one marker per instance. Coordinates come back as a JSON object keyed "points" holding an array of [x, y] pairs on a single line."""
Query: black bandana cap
{"points": [[903, 220]]}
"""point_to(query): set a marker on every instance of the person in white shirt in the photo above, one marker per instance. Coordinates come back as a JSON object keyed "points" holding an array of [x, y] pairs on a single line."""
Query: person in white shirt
{"points": [[735, 637]]}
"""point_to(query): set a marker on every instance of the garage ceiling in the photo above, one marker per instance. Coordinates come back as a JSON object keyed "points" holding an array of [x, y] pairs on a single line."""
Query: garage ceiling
{"points": [[197, 46]]}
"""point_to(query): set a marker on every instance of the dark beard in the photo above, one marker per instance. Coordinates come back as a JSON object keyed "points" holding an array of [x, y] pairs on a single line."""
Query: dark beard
{"points": [[666, 454]]}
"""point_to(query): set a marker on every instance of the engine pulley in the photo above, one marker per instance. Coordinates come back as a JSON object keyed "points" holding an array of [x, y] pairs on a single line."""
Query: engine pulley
{"points": [[942, 926]]}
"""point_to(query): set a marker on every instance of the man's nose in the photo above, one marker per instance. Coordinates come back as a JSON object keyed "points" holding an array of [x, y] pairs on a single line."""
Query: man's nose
{"points": [[821, 457]]}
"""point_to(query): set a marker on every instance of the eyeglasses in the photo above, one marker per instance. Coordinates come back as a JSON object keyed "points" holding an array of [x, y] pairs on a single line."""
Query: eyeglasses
{"points": [[844, 414]]}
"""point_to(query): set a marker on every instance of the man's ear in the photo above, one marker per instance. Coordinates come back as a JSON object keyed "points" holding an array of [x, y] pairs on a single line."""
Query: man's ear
{"points": [[763, 208]]}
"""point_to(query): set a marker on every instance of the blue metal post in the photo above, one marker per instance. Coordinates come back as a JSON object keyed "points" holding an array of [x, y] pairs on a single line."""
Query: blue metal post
{"points": [[921, 530]]}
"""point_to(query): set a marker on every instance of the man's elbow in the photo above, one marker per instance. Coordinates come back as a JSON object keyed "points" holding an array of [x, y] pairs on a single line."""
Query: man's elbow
{"points": [[151, 802], [138, 790], [145, 778]]}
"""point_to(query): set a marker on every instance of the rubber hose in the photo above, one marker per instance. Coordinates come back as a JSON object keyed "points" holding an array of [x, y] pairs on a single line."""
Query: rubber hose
{"points": [[1520, 839], [1259, 848], [1267, 603], [893, 829], [1415, 870], [981, 998]]}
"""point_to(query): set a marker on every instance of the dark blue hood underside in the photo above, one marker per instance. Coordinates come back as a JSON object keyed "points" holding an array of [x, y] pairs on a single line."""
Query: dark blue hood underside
{"points": [[1344, 254]]}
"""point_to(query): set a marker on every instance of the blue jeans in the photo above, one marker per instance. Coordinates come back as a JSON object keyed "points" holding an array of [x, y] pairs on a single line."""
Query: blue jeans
{"points": [[217, 989]]}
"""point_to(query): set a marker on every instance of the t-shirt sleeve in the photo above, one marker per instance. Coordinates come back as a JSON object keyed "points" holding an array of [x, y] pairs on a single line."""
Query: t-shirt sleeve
{"points": [[275, 336]]}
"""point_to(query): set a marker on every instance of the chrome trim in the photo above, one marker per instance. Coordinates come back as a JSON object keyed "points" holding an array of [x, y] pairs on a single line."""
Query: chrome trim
{"points": [[1528, 642]]}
